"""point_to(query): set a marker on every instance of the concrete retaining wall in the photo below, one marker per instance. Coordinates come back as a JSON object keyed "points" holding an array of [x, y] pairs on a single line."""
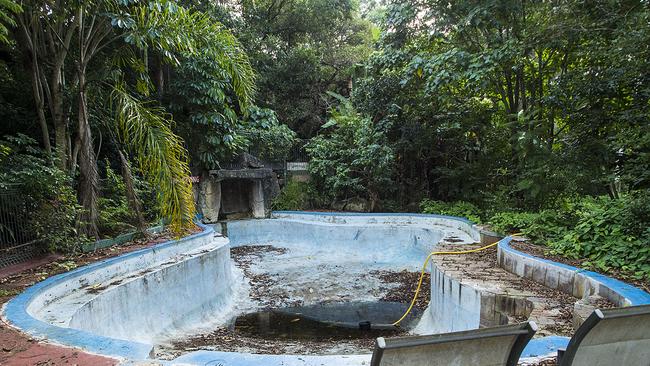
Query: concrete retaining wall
{"points": [[380, 242], [164, 301], [371, 219], [162, 288], [456, 306], [102, 271], [574, 281]]}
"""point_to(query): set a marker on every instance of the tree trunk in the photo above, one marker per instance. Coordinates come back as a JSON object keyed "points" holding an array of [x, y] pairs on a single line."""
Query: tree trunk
{"points": [[37, 88], [160, 78], [131, 195], [27, 38], [74, 156], [60, 127], [88, 177]]}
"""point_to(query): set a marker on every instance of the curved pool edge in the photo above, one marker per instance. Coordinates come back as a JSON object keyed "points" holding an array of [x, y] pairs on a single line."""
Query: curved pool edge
{"points": [[539, 347], [574, 281], [380, 214], [461, 223], [15, 313]]}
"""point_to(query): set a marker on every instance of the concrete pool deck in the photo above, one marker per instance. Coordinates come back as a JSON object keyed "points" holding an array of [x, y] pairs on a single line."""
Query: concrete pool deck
{"points": [[404, 238]]}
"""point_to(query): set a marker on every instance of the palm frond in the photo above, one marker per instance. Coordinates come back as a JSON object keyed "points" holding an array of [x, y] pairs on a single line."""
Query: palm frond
{"points": [[175, 29], [145, 130], [8, 9]]}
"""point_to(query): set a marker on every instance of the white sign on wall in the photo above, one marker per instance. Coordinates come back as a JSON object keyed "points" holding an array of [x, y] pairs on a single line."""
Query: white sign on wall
{"points": [[297, 166]]}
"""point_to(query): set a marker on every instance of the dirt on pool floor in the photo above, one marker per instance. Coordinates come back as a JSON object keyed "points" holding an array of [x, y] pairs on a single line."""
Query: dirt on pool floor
{"points": [[407, 283], [270, 269], [229, 340], [19, 349], [244, 257], [265, 290]]}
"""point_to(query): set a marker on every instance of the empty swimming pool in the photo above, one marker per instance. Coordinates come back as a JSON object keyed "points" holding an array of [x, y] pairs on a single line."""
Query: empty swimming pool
{"points": [[179, 300]]}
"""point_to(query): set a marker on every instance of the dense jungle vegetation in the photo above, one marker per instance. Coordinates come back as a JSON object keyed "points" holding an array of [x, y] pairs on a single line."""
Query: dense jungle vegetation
{"points": [[529, 116]]}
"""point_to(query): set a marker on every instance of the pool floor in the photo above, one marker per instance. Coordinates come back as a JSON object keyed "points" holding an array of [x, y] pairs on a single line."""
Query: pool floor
{"points": [[302, 300]]}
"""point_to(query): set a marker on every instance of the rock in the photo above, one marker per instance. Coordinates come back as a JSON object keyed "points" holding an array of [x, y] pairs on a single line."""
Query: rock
{"points": [[248, 161], [357, 204], [582, 309], [210, 199]]}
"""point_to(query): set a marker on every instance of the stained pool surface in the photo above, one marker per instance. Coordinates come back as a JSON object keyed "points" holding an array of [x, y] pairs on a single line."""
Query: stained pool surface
{"points": [[324, 322], [300, 277]]}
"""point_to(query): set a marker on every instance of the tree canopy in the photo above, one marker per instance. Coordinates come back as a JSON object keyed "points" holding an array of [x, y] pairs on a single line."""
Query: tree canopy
{"points": [[527, 115]]}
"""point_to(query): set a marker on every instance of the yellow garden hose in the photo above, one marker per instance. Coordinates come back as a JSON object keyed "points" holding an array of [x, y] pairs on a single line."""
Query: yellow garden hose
{"points": [[424, 267]]}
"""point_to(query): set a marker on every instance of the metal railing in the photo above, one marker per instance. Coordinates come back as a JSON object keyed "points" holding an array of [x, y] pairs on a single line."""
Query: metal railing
{"points": [[17, 242], [298, 152]]}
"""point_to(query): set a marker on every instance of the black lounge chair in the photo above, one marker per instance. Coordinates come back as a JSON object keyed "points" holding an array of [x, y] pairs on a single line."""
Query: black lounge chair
{"points": [[497, 346], [611, 337]]}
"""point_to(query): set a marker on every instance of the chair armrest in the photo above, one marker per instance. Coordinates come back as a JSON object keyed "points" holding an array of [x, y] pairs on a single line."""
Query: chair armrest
{"points": [[560, 354]]}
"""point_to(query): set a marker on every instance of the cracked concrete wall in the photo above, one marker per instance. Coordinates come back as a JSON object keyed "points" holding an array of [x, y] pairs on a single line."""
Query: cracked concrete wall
{"points": [[391, 219], [379, 241], [151, 296], [209, 199], [163, 302], [573, 281], [455, 306]]}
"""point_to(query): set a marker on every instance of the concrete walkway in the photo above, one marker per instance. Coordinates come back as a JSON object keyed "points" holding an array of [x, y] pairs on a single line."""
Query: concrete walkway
{"points": [[19, 350]]}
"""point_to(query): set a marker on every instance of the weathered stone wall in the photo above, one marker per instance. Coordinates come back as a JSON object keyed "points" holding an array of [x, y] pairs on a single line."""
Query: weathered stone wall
{"points": [[209, 198], [570, 280], [237, 194], [456, 306]]}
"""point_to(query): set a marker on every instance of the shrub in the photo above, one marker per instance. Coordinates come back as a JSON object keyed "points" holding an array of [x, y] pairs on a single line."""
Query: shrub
{"points": [[268, 138], [457, 208], [351, 157], [293, 197], [54, 221], [115, 216], [296, 196], [45, 190], [610, 234]]}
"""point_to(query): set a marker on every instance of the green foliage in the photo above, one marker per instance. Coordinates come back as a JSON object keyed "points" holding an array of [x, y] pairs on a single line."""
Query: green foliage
{"points": [[45, 191], [115, 216], [7, 9], [268, 139], [160, 153], [213, 84], [350, 158], [207, 117], [610, 234], [54, 221], [295, 196], [456, 208], [539, 226], [300, 50], [542, 111]]}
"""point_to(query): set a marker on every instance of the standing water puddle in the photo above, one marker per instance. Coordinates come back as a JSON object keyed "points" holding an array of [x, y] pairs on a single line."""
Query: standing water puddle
{"points": [[327, 321]]}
